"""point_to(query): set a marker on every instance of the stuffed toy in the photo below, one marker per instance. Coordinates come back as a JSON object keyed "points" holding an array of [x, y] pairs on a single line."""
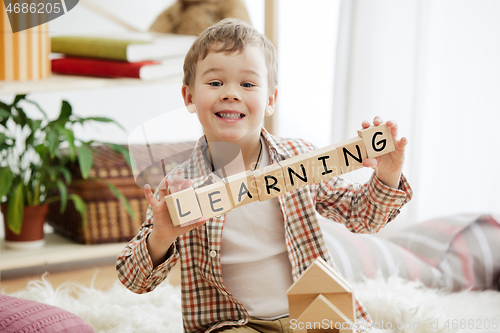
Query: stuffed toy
{"points": [[191, 17]]}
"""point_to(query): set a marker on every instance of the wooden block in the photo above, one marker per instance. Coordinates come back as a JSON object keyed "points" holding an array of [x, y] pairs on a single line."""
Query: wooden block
{"points": [[297, 172], [183, 206], [214, 199], [378, 140], [242, 189], [325, 163], [351, 154], [319, 278], [345, 302], [319, 310], [269, 181], [322, 314]]}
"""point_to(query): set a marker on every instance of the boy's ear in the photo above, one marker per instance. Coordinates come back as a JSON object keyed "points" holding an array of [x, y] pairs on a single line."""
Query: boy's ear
{"points": [[271, 103], [187, 95]]}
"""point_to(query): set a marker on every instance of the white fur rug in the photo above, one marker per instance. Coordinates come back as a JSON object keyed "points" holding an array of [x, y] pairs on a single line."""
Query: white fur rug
{"points": [[393, 303]]}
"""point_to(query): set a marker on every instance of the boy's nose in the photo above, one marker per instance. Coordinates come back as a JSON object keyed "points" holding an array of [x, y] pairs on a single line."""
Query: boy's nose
{"points": [[230, 96]]}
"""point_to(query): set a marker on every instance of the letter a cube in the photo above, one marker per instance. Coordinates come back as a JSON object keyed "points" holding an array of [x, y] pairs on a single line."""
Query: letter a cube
{"points": [[241, 188]]}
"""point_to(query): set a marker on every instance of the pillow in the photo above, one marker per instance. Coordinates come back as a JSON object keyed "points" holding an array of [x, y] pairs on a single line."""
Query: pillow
{"points": [[359, 256], [465, 248], [19, 315]]}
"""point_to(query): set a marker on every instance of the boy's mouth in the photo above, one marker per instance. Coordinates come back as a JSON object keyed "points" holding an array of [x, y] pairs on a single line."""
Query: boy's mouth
{"points": [[230, 115]]}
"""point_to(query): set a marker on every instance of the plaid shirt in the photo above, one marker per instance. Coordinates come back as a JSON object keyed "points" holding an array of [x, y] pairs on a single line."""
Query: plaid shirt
{"points": [[206, 303]]}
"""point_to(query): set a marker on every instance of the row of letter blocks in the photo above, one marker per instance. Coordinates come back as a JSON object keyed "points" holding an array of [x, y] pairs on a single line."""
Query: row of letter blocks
{"points": [[276, 179]]}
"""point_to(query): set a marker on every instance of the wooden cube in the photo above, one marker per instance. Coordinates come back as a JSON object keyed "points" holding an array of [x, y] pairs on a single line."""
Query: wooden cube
{"points": [[242, 189], [213, 199], [325, 163], [297, 172], [320, 309], [183, 206], [378, 140], [351, 154], [269, 181]]}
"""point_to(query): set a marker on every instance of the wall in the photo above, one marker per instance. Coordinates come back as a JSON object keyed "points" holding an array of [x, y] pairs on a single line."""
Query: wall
{"points": [[433, 66], [307, 40]]}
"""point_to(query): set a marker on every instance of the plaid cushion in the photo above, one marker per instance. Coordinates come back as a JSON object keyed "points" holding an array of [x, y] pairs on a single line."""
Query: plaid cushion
{"points": [[464, 248], [359, 256]]}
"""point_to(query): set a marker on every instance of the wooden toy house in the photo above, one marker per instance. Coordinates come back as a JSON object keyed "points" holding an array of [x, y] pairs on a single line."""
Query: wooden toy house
{"points": [[321, 301]]}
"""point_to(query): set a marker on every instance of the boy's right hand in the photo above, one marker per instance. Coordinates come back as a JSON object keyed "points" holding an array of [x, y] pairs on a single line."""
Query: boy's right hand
{"points": [[164, 232]]}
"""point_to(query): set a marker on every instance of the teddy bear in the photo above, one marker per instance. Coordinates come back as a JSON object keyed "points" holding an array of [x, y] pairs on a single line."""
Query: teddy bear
{"points": [[191, 17]]}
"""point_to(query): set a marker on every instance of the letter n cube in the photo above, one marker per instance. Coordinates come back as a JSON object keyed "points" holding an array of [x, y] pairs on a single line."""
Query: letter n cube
{"points": [[351, 154]]}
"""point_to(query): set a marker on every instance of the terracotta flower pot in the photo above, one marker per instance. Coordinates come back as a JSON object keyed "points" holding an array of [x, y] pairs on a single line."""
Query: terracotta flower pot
{"points": [[31, 235]]}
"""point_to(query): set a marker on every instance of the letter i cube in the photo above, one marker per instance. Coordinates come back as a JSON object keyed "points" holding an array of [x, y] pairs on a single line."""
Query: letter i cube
{"points": [[325, 163]]}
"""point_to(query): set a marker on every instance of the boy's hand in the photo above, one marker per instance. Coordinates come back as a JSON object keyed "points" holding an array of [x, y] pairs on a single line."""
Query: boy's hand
{"points": [[164, 232], [388, 167]]}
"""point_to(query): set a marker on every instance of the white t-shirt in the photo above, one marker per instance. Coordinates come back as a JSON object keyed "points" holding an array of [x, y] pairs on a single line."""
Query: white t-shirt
{"points": [[255, 264]]}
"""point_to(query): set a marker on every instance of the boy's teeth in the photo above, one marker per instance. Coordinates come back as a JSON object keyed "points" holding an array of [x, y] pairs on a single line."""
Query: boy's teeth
{"points": [[230, 115]]}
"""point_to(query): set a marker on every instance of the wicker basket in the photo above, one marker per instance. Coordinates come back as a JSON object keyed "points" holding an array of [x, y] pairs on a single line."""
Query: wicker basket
{"points": [[107, 218]]}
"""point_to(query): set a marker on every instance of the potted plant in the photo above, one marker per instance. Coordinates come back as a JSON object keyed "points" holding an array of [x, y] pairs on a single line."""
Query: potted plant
{"points": [[35, 155]]}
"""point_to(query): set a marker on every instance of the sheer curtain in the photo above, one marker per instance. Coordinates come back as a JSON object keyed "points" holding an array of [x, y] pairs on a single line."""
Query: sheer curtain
{"points": [[434, 66]]}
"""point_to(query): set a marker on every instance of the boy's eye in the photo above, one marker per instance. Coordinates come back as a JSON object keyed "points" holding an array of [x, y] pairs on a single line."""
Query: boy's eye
{"points": [[215, 83], [247, 85]]}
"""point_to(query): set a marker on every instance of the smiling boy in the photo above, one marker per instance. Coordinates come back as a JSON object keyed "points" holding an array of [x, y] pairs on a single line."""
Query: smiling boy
{"points": [[236, 267]]}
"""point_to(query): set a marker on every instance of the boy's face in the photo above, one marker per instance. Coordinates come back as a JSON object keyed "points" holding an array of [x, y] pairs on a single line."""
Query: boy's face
{"points": [[231, 95]]}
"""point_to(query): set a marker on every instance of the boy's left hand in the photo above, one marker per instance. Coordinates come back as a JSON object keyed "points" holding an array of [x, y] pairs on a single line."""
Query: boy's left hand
{"points": [[388, 167]]}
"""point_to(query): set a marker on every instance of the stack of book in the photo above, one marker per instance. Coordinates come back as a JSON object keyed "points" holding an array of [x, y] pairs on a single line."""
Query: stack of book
{"points": [[137, 55]]}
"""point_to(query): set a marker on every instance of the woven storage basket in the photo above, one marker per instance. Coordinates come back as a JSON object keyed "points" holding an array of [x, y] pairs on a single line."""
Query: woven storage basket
{"points": [[107, 219]]}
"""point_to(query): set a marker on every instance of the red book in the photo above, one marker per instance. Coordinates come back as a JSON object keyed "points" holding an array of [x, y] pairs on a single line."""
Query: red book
{"points": [[111, 68]]}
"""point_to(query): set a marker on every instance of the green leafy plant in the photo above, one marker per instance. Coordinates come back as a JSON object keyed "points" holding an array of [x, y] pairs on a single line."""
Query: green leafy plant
{"points": [[35, 159]]}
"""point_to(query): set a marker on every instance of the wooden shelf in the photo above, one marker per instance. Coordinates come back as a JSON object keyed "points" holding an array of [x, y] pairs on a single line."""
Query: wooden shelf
{"points": [[57, 250], [57, 82]]}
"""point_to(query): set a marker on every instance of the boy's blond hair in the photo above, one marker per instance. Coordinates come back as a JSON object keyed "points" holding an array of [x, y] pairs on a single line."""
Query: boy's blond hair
{"points": [[230, 35]]}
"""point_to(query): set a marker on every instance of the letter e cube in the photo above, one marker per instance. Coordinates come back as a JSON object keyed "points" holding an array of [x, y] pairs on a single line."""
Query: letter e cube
{"points": [[214, 199]]}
